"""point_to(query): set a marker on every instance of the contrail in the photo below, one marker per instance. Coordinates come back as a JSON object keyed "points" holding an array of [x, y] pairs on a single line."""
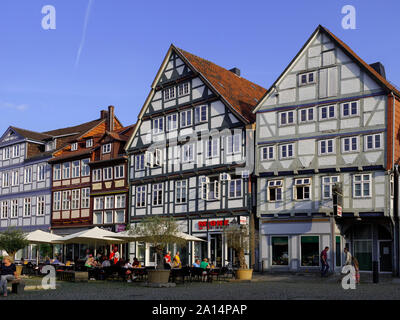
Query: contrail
{"points": [[78, 56]]}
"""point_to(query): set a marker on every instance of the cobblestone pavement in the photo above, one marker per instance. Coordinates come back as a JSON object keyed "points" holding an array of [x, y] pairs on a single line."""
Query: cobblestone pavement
{"points": [[273, 287]]}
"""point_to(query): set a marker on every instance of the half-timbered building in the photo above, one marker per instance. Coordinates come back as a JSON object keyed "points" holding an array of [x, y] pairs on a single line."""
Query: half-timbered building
{"points": [[329, 118], [188, 151]]}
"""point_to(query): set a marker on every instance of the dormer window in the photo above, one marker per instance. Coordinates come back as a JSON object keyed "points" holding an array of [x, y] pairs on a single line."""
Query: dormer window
{"points": [[74, 146], [50, 145], [89, 143], [106, 148]]}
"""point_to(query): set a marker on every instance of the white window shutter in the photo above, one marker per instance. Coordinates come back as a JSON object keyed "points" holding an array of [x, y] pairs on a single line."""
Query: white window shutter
{"points": [[323, 83], [333, 81]]}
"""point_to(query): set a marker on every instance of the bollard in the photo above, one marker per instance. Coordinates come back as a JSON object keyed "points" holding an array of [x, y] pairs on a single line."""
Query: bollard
{"points": [[375, 272]]}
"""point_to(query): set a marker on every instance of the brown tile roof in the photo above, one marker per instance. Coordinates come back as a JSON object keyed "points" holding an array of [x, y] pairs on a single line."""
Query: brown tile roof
{"points": [[72, 154], [371, 70], [79, 129], [31, 134], [240, 93]]}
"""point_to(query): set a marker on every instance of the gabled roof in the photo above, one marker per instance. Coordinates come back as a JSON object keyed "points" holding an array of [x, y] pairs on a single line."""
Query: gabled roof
{"points": [[242, 94], [37, 136], [347, 50], [74, 130]]}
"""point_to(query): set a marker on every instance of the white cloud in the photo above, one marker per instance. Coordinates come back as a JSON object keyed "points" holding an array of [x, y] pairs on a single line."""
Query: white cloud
{"points": [[13, 106], [78, 55]]}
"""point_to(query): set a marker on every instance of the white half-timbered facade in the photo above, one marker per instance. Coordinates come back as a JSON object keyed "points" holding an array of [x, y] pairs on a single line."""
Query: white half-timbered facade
{"points": [[188, 151], [326, 120]]}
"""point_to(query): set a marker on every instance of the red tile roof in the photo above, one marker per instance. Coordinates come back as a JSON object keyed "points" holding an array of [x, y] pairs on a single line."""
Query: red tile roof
{"points": [[243, 95]]}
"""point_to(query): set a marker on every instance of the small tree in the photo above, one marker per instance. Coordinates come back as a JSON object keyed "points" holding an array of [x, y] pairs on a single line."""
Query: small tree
{"points": [[237, 237], [159, 232], [12, 240]]}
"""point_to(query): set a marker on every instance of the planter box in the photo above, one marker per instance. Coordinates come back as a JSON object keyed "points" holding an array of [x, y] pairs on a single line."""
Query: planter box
{"points": [[158, 276], [244, 274]]}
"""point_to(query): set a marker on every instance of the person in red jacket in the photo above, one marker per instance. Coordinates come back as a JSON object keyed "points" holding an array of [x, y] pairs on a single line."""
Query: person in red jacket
{"points": [[114, 255]]}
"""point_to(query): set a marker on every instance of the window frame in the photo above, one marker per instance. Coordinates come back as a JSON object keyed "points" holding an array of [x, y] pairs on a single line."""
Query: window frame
{"points": [[286, 113], [307, 110], [303, 185], [350, 106], [330, 184], [108, 170], [183, 84], [169, 96], [198, 114], [236, 193], [275, 186], [117, 169], [158, 125], [181, 189], [141, 195], [320, 112], [157, 194], [287, 151], [230, 144], [307, 74], [169, 120], [362, 182], [374, 135], [273, 147], [184, 115], [326, 141], [106, 148], [40, 206], [343, 143]]}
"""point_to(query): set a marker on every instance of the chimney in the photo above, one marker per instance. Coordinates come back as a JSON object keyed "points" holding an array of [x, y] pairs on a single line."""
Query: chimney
{"points": [[110, 119], [378, 67], [103, 114], [235, 71]]}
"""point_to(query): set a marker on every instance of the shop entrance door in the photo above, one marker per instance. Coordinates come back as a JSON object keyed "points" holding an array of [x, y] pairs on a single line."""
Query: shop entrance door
{"points": [[216, 249], [385, 256]]}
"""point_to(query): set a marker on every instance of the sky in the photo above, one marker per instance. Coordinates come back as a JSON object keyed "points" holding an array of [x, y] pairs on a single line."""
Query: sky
{"points": [[108, 52]]}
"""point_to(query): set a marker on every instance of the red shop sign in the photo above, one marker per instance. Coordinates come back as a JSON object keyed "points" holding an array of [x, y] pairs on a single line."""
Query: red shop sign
{"points": [[212, 224]]}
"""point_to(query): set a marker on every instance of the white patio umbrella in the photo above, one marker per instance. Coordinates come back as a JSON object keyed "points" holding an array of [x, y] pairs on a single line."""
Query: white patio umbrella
{"points": [[39, 237], [133, 237]]}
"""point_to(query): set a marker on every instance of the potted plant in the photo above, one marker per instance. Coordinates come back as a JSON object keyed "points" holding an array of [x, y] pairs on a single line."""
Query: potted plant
{"points": [[159, 232], [238, 238], [12, 240]]}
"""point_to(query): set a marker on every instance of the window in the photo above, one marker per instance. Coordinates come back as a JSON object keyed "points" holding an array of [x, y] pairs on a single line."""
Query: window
{"points": [[108, 217], [75, 199], [209, 190], [362, 185], [350, 109], [66, 170], [326, 146], [98, 203], [169, 93], [350, 144], [392, 185], [233, 143], [212, 148], [6, 153], [157, 194], [373, 142], [57, 201], [57, 172], [172, 122], [119, 171], [96, 175], [200, 114], [280, 251], [40, 206], [109, 202], [14, 208], [306, 78], [139, 162], [6, 179], [183, 89], [275, 190], [120, 201], [107, 173], [268, 153], [327, 112], [302, 189], [50, 145], [85, 198], [98, 218], [181, 191], [306, 115], [74, 146], [158, 125], [89, 143], [41, 172], [140, 196], [188, 152], [76, 169], [235, 188], [4, 209], [28, 175], [153, 158], [286, 118], [328, 82], [120, 216], [27, 207], [85, 169], [327, 184], [106, 148], [15, 151], [310, 251], [15, 178], [286, 151], [186, 118], [66, 201]]}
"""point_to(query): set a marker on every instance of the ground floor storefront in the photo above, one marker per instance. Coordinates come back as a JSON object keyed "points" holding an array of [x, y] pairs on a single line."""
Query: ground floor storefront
{"points": [[295, 244], [214, 246]]}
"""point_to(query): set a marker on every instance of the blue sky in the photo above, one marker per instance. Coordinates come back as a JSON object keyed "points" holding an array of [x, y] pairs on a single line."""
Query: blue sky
{"points": [[43, 86]]}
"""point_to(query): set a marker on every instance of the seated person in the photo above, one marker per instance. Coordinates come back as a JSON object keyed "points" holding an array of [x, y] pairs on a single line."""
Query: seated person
{"points": [[90, 262], [106, 263], [136, 263], [47, 260], [56, 261], [196, 263], [176, 264]]}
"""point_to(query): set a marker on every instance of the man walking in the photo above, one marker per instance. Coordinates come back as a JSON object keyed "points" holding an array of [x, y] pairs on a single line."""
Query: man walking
{"points": [[349, 258], [324, 262]]}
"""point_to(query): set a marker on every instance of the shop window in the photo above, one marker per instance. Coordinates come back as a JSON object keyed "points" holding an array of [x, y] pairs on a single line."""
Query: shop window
{"points": [[338, 252], [280, 251], [310, 251]]}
